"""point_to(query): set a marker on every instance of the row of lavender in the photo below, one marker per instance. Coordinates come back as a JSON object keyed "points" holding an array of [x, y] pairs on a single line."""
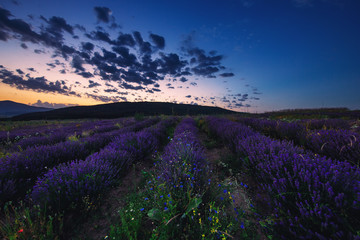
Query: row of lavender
{"points": [[79, 184], [183, 199], [317, 124], [313, 197], [19, 171], [174, 196], [15, 135], [183, 162], [47, 136], [337, 144]]}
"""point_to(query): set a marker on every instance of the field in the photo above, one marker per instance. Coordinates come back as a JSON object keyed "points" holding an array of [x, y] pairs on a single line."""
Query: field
{"points": [[208, 177]]}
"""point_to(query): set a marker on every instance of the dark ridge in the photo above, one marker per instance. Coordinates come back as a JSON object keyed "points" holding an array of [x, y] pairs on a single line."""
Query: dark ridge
{"points": [[123, 109], [10, 109], [314, 113]]}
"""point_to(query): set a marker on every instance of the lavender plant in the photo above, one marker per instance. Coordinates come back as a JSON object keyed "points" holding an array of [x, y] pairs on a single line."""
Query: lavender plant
{"points": [[76, 185]]}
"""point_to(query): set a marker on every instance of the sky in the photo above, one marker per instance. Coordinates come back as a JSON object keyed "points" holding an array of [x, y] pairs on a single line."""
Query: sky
{"points": [[242, 55]]}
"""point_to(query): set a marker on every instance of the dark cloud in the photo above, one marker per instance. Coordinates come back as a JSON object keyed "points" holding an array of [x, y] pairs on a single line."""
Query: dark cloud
{"points": [[85, 74], [37, 84], [135, 77], [244, 97], [204, 64], [226, 74], [125, 40], [16, 26], [39, 51], [58, 25], [4, 36], [77, 63], [100, 36], [159, 41], [24, 46], [156, 90], [170, 63], [126, 59], [87, 46], [32, 69], [20, 71], [93, 84], [131, 87], [102, 98], [193, 83], [188, 96], [51, 65], [103, 14], [111, 90], [182, 79]]}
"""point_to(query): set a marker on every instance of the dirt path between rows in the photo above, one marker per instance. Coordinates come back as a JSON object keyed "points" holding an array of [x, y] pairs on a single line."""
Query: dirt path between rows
{"points": [[97, 226], [243, 196]]}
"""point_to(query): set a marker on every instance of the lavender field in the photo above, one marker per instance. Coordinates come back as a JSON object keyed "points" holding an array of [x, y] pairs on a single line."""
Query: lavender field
{"points": [[209, 177]]}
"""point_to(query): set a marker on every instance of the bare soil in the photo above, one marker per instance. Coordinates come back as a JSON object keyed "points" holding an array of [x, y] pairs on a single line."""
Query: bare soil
{"points": [[97, 226]]}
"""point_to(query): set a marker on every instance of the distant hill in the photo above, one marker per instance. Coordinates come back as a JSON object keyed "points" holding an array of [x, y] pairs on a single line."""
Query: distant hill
{"points": [[313, 113], [123, 109], [10, 109]]}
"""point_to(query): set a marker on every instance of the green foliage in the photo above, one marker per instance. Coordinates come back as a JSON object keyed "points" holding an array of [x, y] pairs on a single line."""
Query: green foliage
{"points": [[160, 212], [22, 222], [74, 138], [139, 116]]}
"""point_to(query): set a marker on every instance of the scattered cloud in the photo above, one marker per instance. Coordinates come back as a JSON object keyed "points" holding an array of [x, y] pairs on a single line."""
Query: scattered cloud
{"points": [[39, 103], [103, 14], [37, 84]]}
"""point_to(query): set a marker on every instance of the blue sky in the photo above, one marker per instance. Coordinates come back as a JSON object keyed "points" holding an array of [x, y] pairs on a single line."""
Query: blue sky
{"points": [[245, 55]]}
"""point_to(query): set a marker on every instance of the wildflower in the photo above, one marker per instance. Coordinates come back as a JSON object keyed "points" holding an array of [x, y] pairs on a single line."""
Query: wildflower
{"points": [[200, 220], [181, 186], [142, 209], [165, 208], [203, 235], [168, 195], [225, 191], [21, 230], [219, 185], [146, 199], [242, 225], [161, 196], [132, 219]]}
